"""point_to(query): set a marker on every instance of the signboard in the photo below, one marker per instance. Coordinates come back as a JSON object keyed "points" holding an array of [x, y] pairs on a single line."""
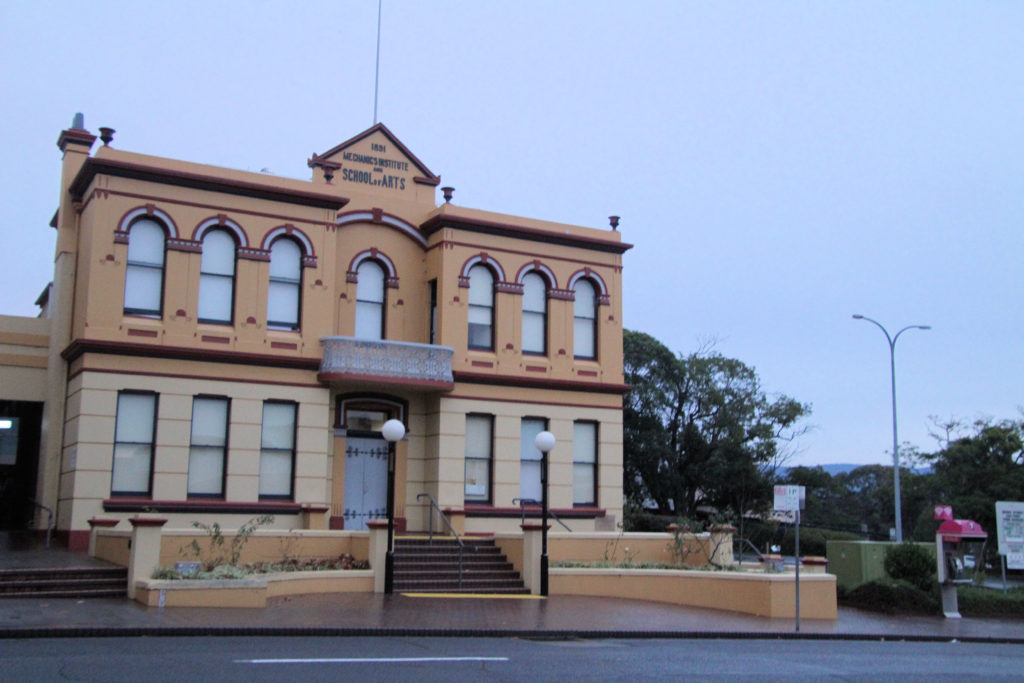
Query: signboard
{"points": [[1010, 532], [790, 498]]}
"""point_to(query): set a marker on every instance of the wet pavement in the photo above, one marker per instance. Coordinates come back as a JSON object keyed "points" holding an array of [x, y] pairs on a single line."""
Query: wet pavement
{"points": [[556, 616], [408, 615]]}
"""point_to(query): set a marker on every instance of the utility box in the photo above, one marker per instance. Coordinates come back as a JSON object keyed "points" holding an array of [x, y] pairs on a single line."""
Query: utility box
{"points": [[855, 563]]}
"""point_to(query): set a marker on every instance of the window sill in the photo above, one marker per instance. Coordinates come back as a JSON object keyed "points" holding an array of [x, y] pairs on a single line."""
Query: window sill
{"points": [[533, 511], [134, 504]]}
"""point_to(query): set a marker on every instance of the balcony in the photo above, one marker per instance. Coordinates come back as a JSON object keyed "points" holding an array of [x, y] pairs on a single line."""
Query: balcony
{"points": [[393, 363]]}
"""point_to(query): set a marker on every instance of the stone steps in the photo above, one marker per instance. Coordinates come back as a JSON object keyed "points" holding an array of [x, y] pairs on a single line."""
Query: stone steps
{"points": [[433, 567], [64, 582]]}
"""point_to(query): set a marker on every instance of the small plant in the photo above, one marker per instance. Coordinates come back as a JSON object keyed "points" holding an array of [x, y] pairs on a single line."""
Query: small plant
{"points": [[216, 554], [166, 573], [612, 546]]}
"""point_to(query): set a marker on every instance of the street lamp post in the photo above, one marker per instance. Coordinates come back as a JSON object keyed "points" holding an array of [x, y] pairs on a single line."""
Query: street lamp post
{"points": [[393, 431], [545, 442], [895, 440]]}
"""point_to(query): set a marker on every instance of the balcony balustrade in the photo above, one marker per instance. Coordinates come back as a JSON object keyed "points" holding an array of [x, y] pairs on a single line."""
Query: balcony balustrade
{"points": [[393, 363]]}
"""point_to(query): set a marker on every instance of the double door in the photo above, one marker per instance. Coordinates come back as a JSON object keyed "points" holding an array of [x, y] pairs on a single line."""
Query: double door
{"points": [[366, 480]]}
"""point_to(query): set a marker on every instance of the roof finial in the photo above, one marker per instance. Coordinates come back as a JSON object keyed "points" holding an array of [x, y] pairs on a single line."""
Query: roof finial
{"points": [[447, 194], [78, 121], [107, 135], [614, 221]]}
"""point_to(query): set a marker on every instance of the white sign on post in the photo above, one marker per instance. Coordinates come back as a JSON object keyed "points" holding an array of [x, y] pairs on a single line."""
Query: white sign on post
{"points": [[790, 498], [1010, 532]]}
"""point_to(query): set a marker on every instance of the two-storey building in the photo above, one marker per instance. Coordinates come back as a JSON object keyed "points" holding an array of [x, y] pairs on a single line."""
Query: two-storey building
{"points": [[225, 343]]}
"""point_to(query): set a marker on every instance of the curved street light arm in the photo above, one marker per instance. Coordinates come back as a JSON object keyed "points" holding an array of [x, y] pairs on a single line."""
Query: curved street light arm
{"points": [[895, 438]]}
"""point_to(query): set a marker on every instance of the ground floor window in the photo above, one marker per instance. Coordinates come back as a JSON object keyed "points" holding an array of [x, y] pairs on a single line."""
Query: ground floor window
{"points": [[277, 449], [530, 459], [584, 463], [208, 451], [134, 436], [479, 455]]}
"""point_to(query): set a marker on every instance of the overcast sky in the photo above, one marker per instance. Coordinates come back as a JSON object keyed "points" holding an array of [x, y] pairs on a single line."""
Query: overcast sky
{"points": [[779, 166]]}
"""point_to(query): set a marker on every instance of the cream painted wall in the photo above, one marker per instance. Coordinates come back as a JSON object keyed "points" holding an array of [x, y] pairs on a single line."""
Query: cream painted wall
{"points": [[89, 435]]}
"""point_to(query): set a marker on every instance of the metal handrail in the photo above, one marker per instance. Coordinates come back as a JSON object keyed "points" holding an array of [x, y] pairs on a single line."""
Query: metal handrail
{"points": [[444, 518], [49, 520], [760, 556], [523, 502]]}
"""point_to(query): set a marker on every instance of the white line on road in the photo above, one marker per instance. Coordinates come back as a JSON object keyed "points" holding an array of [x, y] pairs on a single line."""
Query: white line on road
{"points": [[370, 660]]}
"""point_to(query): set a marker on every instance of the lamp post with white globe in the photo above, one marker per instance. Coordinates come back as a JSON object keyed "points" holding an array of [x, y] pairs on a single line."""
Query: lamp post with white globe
{"points": [[392, 431], [545, 443]]}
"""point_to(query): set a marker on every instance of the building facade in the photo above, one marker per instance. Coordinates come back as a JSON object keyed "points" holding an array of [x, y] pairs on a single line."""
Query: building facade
{"points": [[221, 344]]}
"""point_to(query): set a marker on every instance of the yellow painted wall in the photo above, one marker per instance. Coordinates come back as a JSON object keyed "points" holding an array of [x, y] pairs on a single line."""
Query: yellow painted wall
{"points": [[179, 357]]}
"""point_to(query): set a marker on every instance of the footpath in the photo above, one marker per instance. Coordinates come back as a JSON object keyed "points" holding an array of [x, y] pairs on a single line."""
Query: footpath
{"points": [[360, 614]]}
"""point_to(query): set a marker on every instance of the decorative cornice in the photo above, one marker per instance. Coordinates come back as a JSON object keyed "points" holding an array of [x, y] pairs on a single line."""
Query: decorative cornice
{"points": [[178, 245], [562, 294], [539, 383], [136, 504], [438, 222], [75, 136], [508, 288], [251, 254], [80, 347], [94, 166]]}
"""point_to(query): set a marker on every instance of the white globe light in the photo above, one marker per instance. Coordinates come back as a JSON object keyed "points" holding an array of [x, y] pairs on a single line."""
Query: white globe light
{"points": [[393, 430], [545, 441]]}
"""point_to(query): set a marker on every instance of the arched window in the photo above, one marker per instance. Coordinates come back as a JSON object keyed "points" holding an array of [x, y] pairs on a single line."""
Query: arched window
{"points": [[481, 308], [217, 278], [584, 324], [144, 276], [370, 301], [284, 299], [535, 314]]}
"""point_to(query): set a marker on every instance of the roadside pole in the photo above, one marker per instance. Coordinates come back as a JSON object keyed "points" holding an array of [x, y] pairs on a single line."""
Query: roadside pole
{"points": [[791, 499], [797, 582]]}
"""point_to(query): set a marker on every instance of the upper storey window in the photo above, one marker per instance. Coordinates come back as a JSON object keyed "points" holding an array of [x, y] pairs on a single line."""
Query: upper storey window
{"points": [[217, 278], [284, 295], [584, 327], [144, 276], [370, 301], [535, 314], [481, 308]]}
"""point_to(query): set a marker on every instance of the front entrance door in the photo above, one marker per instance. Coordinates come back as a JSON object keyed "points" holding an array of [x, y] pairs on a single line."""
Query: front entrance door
{"points": [[366, 481]]}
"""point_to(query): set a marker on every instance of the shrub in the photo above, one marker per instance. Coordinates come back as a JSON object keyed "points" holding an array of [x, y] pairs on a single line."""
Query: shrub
{"points": [[215, 554], [812, 539], [986, 602], [911, 563], [893, 597], [640, 520]]}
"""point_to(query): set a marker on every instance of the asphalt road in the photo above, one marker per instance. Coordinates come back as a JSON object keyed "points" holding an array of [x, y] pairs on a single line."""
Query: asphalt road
{"points": [[496, 659]]}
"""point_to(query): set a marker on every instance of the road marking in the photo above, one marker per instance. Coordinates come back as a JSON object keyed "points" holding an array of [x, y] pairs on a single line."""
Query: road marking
{"points": [[370, 660]]}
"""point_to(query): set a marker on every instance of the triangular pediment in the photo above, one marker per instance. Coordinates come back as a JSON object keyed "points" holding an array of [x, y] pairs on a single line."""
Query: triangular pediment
{"points": [[375, 160]]}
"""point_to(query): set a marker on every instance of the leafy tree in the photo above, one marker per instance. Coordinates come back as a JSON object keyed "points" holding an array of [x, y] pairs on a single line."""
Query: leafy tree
{"points": [[699, 430], [826, 504], [972, 472]]}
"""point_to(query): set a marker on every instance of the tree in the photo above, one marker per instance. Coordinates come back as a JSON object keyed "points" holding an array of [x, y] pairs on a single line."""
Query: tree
{"points": [[825, 504], [699, 430], [972, 472]]}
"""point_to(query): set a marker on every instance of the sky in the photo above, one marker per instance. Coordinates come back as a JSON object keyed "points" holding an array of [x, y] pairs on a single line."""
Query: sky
{"points": [[779, 166]]}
